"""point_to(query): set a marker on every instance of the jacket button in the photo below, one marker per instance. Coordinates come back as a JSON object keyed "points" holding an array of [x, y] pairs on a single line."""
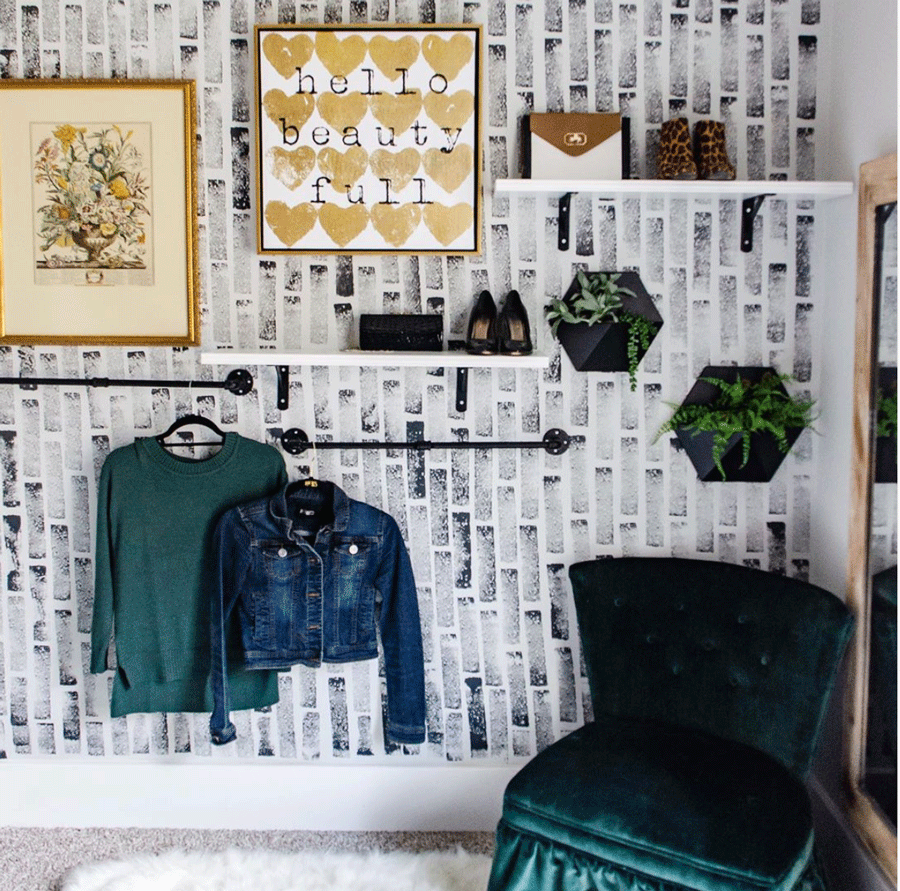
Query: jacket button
{"points": [[353, 549], [282, 552]]}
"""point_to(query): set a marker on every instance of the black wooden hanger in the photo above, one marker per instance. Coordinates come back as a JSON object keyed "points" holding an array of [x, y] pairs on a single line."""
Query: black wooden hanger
{"points": [[309, 496], [184, 421]]}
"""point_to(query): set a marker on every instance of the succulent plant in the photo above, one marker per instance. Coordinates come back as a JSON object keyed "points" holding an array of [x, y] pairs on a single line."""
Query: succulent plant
{"points": [[599, 300]]}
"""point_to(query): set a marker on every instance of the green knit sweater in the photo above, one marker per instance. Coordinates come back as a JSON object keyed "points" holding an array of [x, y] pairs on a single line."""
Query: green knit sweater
{"points": [[155, 564]]}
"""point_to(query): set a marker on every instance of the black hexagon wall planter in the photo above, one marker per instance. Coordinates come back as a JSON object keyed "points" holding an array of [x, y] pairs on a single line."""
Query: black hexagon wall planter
{"points": [[604, 347], [765, 455]]}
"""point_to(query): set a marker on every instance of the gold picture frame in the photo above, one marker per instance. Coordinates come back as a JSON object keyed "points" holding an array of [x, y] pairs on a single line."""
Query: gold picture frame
{"points": [[98, 212], [368, 138]]}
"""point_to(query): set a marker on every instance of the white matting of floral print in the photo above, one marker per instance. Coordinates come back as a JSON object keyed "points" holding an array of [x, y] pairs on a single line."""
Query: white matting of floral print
{"points": [[241, 870]]}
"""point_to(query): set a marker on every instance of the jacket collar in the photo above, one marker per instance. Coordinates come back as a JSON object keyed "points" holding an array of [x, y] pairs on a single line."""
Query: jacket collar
{"points": [[298, 491]]}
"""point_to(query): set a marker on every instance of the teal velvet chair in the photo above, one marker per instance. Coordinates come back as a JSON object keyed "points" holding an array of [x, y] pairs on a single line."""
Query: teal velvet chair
{"points": [[709, 684]]}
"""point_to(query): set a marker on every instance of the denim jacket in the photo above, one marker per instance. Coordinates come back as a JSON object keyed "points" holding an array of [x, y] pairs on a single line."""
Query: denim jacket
{"points": [[311, 572]]}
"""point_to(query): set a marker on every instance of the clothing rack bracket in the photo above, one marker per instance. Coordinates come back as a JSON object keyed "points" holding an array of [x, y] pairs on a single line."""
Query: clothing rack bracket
{"points": [[239, 382], [555, 442]]}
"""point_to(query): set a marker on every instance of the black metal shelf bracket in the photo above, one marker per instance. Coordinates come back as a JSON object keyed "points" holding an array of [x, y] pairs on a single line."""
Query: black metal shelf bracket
{"points": [[283, 380], [239, 382], [555, 442], [749, 209], [565, 221], [462, 389], [283, 376]]}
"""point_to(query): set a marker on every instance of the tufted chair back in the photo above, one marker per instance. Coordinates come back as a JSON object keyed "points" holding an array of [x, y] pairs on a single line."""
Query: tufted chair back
{"points": [[737, 652]]}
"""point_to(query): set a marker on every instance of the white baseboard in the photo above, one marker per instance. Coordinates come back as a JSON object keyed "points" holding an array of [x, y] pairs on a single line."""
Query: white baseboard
{"points": [[305, 797]]}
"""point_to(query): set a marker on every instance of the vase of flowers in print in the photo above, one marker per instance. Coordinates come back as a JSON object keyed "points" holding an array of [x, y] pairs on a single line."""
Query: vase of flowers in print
{"points": [[95, 197], [94, 240]]}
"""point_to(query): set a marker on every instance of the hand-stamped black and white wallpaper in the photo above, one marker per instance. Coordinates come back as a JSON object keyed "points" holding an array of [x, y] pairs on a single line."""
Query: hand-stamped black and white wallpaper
{"points": [[490, 532]]}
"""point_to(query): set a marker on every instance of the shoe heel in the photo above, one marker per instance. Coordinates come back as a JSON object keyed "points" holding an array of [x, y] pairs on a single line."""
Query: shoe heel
{"points": [[481, 335], [513, 330]]}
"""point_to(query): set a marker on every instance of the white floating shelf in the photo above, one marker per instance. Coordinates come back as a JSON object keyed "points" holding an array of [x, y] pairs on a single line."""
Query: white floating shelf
{"points": [[458, 359], [375, 359], [618, 188], [751, 193]]}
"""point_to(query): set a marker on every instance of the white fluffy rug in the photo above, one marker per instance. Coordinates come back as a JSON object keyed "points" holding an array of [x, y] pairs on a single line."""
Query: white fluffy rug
{"points": [[244, 870]]}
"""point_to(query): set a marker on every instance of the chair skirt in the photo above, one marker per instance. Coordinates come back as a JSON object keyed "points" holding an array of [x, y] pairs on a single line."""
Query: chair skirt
{"points": [[630, 804], [524, 862]]}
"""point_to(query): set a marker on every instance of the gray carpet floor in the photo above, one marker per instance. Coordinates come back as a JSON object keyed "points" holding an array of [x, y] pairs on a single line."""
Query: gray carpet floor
{"points": [[37, 859]]}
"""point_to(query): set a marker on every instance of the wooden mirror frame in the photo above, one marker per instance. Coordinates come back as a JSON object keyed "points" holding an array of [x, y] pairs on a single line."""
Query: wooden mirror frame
{"points": [[877, 185]]}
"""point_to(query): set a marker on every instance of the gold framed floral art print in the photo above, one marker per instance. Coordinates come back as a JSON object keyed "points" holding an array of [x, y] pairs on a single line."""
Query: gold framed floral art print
{"points": [[98, 212]]}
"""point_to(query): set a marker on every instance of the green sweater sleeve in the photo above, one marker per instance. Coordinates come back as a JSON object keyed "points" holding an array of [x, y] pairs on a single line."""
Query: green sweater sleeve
{"points": [[102, 623]]}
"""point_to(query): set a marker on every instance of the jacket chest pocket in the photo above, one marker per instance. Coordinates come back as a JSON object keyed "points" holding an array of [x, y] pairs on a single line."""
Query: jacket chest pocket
{"points": [[355, 563], [281, 560], [354, 557], [281, 564]]}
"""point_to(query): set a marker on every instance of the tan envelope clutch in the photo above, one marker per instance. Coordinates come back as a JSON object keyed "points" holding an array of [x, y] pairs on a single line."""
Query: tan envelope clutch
{"points": [[573, 145]]}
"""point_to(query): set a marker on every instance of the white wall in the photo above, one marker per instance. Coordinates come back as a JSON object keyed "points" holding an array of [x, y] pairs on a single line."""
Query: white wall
{"points": [[859, 114], [349, 797]]}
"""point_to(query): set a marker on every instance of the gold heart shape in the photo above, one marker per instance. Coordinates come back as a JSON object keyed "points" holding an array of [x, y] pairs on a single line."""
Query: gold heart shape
{"points": [[295, 109], [342, 111], [287, 56], [343, 168], [398, 167], [447, 57], [449, 169], [340, 57], [290, 224], [450, 112], [392, 55], [446, 224], [396, 223], [343, 224], [397, 112], [291, 167]]}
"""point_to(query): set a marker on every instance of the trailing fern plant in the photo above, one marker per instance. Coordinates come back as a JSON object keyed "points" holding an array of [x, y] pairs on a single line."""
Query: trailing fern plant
{"points": [[640, 334], [743, 407], [599, 301]]}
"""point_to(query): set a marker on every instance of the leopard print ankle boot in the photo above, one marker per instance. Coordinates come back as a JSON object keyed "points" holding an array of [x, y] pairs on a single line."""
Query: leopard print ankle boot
{"points": [[676, 160], [710, 151]]}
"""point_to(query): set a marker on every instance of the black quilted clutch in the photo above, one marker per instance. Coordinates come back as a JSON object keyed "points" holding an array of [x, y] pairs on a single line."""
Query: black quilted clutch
{"points": [[401, 332]]}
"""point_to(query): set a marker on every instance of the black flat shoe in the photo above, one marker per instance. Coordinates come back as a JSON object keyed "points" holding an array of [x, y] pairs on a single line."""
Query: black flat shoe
{"points": [[513, 330], [481, 337]]}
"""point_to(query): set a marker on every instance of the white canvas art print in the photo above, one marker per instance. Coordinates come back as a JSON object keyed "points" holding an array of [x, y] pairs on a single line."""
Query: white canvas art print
{"points": [[368, 138]]}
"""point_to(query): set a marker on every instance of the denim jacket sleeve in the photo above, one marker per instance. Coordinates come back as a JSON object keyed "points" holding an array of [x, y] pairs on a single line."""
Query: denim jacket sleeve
{"points": [[401, 640], [232, 544]]}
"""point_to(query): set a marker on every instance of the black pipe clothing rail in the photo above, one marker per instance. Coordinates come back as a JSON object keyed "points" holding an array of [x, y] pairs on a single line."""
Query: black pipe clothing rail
{"points": [[554, 442], [239, 382]]}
